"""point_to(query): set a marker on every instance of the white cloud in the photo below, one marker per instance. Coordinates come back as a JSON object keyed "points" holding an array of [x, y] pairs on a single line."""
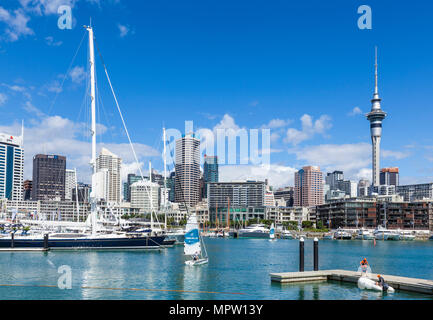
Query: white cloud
{"points": [[309, 129], [3, 98], [277, 123], [124, 30], [29, 107], [16, 24], [254, 103], [394, 154], [57, 135], [227, 122], [353, 159], [355, 111], [50, 41], [45, 7], [77, 74], [277, 175]]}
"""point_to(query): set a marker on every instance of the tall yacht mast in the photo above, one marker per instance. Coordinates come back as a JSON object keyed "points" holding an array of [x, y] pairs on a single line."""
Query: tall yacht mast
{"points": [[165, 180], [93, 129]]}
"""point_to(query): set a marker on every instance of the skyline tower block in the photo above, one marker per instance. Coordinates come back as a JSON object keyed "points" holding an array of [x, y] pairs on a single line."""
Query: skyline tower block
{"points": [[187, 170], [210, 171], [11, 166], [376, 116]]}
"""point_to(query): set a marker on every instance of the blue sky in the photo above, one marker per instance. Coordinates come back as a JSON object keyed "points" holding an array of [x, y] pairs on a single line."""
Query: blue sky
{"points": [[302, 69]]}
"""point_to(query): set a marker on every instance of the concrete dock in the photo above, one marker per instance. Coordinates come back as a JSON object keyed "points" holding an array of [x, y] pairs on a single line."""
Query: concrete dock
{"points": [[398, 283], [24, 249]]}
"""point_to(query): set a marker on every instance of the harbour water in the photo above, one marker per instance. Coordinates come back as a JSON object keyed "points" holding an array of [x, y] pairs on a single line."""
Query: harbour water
{"points": [[237, 269]]}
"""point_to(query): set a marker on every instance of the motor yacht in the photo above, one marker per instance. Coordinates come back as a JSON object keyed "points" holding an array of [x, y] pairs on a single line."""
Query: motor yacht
{"points": [[254, 231], [364, 234]]}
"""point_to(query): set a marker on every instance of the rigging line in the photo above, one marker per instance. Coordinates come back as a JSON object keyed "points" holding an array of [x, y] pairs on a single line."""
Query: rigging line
{"points": [[66, 74], [148, 190]]}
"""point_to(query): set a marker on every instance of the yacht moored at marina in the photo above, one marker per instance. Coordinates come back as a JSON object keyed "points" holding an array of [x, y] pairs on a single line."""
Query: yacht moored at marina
{"points": [[342, 235], [382, 233], [254, 231], [364, 234]]}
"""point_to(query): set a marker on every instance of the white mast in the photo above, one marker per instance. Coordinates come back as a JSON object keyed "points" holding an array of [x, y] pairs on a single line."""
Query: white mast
{"points": [[76, 195], [150, 196], [93, 130], [165, 180]]}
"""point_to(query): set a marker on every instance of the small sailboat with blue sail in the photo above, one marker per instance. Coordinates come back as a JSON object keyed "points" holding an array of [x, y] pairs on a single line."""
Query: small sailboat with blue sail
{"points": [[193, 245], [272, 233]]}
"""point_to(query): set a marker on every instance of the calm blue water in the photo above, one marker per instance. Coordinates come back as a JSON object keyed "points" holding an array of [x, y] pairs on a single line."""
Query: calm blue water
{"points": [[235, 266]]}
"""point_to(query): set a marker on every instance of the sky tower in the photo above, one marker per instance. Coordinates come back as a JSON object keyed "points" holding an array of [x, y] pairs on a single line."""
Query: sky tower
{"points": [[376, 117]]}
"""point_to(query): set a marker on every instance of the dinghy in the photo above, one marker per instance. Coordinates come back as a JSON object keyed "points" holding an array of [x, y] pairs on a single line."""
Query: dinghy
{"points": [[272, 233], [366, 283], [193, 243]]}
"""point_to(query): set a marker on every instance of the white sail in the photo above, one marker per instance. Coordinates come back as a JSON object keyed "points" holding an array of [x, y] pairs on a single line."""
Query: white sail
{"points": [[192, 238], [272, 232]]}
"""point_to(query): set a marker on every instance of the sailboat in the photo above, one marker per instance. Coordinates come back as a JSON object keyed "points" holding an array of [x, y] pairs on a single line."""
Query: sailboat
{"points": [[193, 243], [272, 233], [95, 239]]}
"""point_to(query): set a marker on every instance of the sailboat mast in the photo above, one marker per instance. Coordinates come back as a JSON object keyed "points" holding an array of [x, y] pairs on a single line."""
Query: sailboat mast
{"points": [[228, 213], [150, 197], [93, 129], [76, 195], [165, 179]]}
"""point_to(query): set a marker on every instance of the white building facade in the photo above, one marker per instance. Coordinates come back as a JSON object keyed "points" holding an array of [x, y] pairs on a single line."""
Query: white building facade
{"points": [[11, 167]]}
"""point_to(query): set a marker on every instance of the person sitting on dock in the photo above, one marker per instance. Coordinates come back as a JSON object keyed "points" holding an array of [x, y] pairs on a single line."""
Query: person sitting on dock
{"points": [[382, 283]]}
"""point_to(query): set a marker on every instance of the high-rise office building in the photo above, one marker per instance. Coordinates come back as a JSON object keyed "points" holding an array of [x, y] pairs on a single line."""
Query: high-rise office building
{"points": [[389, 176], [308, 187], [171, 186], [70, 183], [287, 194], [132, 178], [141, 193], [333, 178], [110, 164], [11, 167], [210, 172], [83, 192], [363, 188], [49, 177], [187, 169], [241, 194], [376, 116], [27, 190]]}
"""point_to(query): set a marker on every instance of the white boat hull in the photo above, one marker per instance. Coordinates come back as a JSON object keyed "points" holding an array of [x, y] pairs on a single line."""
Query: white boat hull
{"points": [[365, 283], [196, 262]]}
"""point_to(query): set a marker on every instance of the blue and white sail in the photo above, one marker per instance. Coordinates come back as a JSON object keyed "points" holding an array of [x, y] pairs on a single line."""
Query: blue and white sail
{"points": [[192, 237], [272, 232]]}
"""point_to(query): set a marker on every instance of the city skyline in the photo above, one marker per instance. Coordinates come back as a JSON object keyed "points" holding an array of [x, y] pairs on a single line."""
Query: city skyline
{"points": [[315, 117]]}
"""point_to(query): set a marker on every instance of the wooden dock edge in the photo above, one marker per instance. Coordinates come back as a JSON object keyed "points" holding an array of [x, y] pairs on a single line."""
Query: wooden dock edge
{"points": [[398, 283]]}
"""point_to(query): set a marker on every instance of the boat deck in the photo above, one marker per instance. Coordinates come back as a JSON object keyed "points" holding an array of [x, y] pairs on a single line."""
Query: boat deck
{"points": [[398, 283]]}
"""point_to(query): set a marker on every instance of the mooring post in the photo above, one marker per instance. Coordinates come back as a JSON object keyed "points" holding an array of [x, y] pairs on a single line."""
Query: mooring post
{"points": [[12, 240], [316, 254], [301, 254], [46, 241]]}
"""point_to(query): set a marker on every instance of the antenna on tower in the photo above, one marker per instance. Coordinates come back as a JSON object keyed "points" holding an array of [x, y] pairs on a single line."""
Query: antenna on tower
{"points": [[376, 91]]}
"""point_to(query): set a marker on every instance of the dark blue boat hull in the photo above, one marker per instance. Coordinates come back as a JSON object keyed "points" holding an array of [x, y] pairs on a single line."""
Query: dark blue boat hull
{"points": [[84, 243]]}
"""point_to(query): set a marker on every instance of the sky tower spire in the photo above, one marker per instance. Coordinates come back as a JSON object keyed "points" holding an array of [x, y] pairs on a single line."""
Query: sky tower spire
{"points": [[376, 116]]}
